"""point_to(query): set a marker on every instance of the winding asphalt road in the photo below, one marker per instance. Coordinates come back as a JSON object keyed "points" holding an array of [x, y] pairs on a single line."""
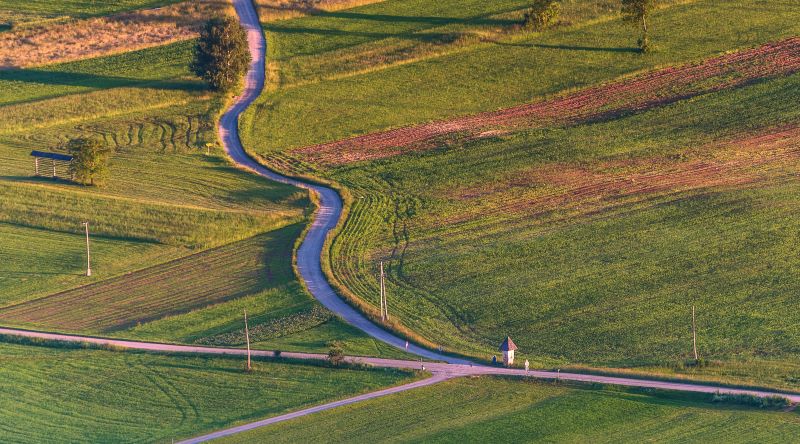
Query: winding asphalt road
{"points": [[309, 253], [330, 204]]}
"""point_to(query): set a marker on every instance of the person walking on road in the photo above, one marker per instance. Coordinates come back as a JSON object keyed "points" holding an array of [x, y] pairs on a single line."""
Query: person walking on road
{"points": [[527, 366]]}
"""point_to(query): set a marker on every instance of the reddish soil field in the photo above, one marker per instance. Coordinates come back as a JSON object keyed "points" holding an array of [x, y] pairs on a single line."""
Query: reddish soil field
{"points": [[584, 190], [632, 95]]}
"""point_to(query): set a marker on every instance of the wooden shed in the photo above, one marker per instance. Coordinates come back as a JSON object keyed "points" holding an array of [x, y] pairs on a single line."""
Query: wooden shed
{"points": [[53, 165]]}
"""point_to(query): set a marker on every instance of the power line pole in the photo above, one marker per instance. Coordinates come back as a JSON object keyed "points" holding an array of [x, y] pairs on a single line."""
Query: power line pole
{"points": [[247, 337], [88, 254], [384, 306], [694, 335]]}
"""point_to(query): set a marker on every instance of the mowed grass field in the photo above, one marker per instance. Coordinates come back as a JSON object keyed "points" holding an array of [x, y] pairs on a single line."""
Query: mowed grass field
{"points": [[75, 395], [586, 239], [484, 409]]}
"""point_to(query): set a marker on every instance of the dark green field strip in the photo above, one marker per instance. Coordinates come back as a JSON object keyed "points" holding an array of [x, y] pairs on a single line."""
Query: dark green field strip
{"points": [[76, 8], [37, 263], [491, 76], [164, 67], [229, 272], [52, 395], [484, 410]]}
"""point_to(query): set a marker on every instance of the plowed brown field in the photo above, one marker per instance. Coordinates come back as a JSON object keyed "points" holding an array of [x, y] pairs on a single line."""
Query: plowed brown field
{"points": [[632, 95], [735, 162]]}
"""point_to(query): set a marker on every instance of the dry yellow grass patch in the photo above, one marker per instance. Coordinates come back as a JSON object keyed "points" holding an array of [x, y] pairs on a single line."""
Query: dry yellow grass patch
{"points": [[100, 36], [270, 10]]}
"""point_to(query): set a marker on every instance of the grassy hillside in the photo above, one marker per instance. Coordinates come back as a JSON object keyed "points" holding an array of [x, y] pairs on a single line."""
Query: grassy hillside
{"points": [[586, 237], [470, 410], [182, 242], [591, 243], [478, 73], [137, 397]]}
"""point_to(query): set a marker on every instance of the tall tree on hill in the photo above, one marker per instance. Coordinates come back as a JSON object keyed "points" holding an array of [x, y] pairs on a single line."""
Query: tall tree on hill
{"points": [[542, 14], [637, 12], [89, 165], [221, 56]]}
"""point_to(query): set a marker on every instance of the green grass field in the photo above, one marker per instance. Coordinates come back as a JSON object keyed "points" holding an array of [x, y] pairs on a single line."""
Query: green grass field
{"points": [[483, 237], [481, 75], [483, 409], [38, 12], [182, 242], [62, 395]]}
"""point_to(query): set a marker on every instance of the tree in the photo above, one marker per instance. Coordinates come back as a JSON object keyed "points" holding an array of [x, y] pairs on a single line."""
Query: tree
{"points": [[335, 353], [637, 12], [221, 56], [89, 165], [542, 14]]}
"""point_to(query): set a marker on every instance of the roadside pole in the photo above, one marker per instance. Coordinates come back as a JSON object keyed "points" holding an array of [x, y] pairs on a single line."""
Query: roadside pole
{"points": [[88, 254], [247, 337]]}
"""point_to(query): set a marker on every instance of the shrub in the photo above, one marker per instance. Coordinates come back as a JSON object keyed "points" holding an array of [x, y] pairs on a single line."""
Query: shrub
{"points": [[335, 353], [768, 402], [542, 14], [221, 55], [90, 160]]}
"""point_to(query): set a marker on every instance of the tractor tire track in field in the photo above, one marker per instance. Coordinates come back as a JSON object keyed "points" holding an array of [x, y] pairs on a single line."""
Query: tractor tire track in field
{"points": [[603, 102]]}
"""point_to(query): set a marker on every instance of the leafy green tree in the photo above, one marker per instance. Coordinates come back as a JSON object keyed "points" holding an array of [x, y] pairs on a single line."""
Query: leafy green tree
{"points": [[221, 56], [89, 165], [542, 14], [637, 12]]}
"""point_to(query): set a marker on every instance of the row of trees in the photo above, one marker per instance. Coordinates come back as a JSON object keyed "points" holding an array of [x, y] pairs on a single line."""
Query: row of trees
{"points": [[544, 13]]}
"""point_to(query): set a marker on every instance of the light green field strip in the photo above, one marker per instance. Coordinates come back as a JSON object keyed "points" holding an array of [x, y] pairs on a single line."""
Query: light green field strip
{"points": [[137, 397], [484, 410]]}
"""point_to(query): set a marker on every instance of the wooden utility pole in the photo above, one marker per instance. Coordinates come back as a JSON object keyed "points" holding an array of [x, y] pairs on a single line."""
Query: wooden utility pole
{"points": [[384, 306], [88, 254], [694, 335], [247, 337]]}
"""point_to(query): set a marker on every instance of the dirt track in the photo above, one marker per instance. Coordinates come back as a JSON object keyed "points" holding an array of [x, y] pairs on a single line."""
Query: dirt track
{"points": [[632, 95]]}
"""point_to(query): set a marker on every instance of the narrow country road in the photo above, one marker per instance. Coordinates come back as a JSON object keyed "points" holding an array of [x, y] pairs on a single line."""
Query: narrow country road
{"points": [[330, 204], [438, 369]]}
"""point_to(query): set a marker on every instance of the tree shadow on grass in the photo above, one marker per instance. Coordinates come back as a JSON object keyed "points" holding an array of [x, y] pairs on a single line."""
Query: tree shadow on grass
{"points": [[578, 48], [7, 273], [94, 80], [40, 179], [428, 20]]}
